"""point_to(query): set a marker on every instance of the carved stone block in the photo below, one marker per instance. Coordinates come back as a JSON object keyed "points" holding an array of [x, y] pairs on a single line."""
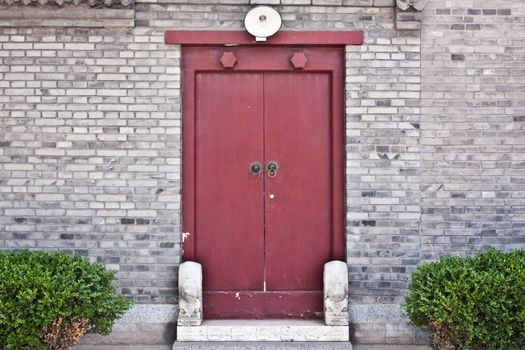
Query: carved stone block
{"points": [[335, 278], [190, 294], [408, 15], [418, 5]]}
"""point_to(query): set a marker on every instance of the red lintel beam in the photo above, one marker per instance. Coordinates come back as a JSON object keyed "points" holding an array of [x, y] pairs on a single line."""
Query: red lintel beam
{"points": [[214, 37]]}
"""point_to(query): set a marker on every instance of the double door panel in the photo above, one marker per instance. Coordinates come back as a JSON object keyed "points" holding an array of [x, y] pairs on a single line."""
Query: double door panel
{"points": [[262, 239]]}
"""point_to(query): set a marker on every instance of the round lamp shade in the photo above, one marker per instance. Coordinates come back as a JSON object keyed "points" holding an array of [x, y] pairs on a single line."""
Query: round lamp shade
{"points": [[262, 22]]}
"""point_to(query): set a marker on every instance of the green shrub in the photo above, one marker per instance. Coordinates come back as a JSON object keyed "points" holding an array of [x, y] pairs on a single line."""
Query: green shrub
{"points": [[49, 300], [471, 303]]}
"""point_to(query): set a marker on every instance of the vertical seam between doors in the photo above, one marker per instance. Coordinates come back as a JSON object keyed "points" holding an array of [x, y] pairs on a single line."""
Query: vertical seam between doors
{"points": [[264, 177]]}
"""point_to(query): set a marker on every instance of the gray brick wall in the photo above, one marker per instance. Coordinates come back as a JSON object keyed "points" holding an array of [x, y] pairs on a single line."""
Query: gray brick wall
{"points": [[383, 164], [472, 127], [90, 150], [435, 129]]}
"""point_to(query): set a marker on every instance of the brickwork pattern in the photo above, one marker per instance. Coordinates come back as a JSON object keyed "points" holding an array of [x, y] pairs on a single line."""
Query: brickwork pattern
{"points": [[80, 16], [90, 131], [383, 210], [90, 150], [473, 127]]}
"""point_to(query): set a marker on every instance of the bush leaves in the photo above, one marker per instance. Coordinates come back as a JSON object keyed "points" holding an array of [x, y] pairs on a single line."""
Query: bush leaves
{"points": [[37, 289], [471, 303]]}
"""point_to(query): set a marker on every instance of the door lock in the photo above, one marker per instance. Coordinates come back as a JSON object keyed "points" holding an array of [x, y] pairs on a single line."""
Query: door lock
{"points": [[255, 168], [271, 168]]}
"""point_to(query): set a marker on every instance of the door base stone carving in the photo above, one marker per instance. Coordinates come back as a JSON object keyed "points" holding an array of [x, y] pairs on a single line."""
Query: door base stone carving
{"points": [[190, 294], [335, 279]]}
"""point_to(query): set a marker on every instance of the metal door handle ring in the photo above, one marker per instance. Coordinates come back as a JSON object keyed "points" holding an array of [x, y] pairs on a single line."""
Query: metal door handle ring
{"points": [[272, 168]]}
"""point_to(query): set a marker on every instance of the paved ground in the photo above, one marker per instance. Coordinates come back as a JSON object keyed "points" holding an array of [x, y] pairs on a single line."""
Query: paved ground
{"points": [[165, 347]]}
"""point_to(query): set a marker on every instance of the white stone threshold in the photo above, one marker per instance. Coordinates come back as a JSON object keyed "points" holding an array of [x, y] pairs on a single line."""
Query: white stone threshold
{"points": [[263, 330]]}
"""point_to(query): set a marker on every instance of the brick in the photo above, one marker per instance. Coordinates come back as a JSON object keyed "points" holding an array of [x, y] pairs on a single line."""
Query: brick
{"points": [[19, 76], [110, 198], [79, 46], [327, 2], [296, 2], [15, 166], [384, 3], [265, 2], [19, 212], [48, 46], [49, 197], [118, 77]]}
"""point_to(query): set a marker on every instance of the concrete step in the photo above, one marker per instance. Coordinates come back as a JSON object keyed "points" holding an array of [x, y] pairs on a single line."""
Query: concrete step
{"points": [[263, 330], [262, 345], [248, 345]]}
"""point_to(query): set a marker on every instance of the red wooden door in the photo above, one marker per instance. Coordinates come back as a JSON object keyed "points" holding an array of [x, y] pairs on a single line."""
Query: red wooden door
{"points": [[262, 239]]}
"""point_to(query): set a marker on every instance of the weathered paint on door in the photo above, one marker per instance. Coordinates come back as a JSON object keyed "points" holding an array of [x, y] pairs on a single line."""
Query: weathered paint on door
{"points": [[262, 240]]}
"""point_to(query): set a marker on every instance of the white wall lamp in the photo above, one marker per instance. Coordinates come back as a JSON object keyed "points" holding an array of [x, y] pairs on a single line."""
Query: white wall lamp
{"points": [[262, 22]]}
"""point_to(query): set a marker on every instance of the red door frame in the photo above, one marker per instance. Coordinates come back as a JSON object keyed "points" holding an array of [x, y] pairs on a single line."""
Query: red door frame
{"points": [[284, 38], [227, 39]]}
